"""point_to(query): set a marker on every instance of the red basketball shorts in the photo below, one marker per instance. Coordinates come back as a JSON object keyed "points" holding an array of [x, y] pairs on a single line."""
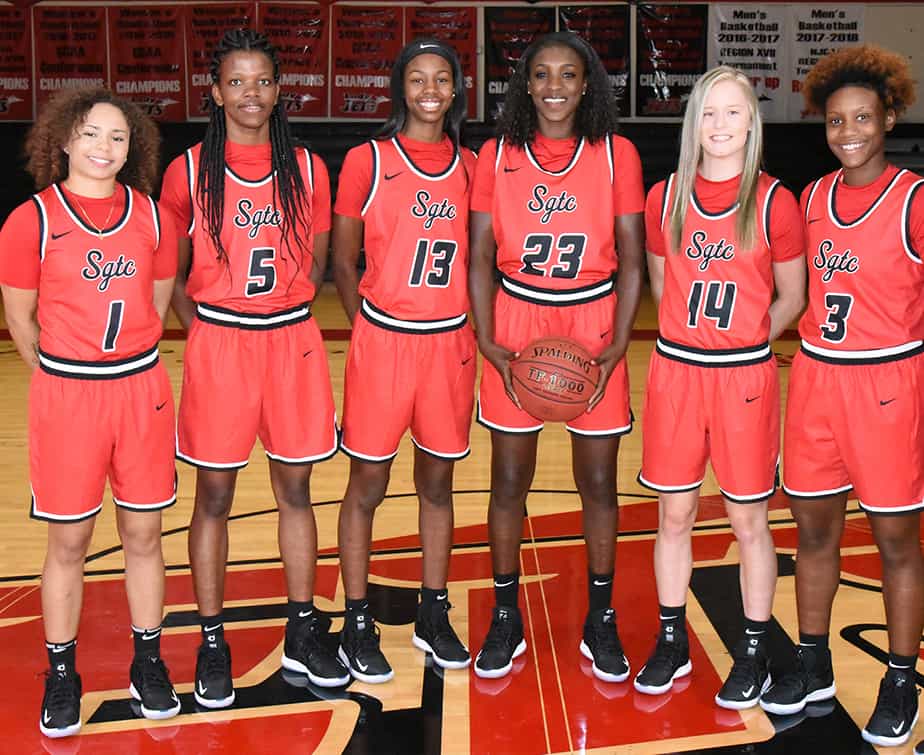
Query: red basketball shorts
{"points": [[244, 383], [859, 426], [517, 323], [398, 380], [83, 430], [729, 414]]}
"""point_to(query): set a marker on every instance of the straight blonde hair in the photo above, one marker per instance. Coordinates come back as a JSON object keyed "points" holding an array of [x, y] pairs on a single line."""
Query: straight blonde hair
{"points": [[691, 155]]}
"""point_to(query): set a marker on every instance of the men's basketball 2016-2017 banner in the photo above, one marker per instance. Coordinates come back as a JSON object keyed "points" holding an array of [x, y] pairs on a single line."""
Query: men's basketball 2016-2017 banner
{"points": [[336, 57]]}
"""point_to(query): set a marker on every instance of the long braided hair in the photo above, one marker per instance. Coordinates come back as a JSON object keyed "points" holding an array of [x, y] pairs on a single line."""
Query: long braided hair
{"points": [[289, 192]]}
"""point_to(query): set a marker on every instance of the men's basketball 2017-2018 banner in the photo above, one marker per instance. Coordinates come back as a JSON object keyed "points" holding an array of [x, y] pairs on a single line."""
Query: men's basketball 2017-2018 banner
{"points": [[336, 57]]}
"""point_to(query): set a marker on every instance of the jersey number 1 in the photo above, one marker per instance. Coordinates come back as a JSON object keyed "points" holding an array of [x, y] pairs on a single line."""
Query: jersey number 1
{"points": [[113, 324]]}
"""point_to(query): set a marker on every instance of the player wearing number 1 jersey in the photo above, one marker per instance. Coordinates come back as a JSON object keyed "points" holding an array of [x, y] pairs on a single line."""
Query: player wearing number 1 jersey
{"points": [[404, 197], [728, 272], [855, 411], [556, 208], [86, 269], [257, 210]]}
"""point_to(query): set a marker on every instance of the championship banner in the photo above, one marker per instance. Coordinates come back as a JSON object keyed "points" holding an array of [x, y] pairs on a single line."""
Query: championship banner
{"points": [[671, 56], [606, 28], [205, 25], [70, 48], [146, 62], [365, 41], [814, 31], [299, 32], [507, 33], [752, 39], [458, 27], [15, 64]]}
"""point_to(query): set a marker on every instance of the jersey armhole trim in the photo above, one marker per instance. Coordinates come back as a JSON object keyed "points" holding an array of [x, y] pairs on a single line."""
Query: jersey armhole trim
{"points": [[374, 185], [611, 158], [765, 215], [43, 226], [912, 253], [155, 216], [191, 181], [309, 167], [497, 157], [667, 190], [808, 202]]}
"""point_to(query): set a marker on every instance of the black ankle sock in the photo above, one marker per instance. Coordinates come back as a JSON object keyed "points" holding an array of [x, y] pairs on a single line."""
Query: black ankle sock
{"points": [[213, 630], [903, 662], [818, 642], [674, 617], [299, 614], [506, 589], [756, 628], [599, 591], [62, 653], [147, 642], [429, 598]]}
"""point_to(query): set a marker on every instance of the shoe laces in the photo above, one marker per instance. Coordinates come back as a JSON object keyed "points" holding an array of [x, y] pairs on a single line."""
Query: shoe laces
{"points": [[61, 689], [439, 623], [665, 653], [796, 679], [745, 670], [605, 636], [499, 634], [308, 641], [154, 675], [891, 702], [368, 638], [214, 662]]}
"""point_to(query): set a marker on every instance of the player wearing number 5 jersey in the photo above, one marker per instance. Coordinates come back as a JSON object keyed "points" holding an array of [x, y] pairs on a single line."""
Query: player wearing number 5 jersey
{"points": [[404, 197], [257, 210], [556, 208], [86, 269], [855, 411], [728, 271]]}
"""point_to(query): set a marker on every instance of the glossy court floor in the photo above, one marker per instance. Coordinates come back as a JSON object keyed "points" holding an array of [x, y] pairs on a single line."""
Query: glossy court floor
{"points": [[551, 703]]}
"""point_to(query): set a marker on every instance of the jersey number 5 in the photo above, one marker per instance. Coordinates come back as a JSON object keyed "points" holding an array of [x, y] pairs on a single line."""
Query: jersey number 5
{"points": [[261, 275], [440, 254], [538, 250], [719, 305]]}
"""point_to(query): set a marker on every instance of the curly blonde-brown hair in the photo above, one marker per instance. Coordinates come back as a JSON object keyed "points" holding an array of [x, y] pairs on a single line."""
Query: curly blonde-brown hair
{"points": [[885, 72], [63, 114]]}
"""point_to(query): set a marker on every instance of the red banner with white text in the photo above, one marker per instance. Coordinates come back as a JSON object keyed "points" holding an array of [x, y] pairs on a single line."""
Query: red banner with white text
{"points": [[15, 64], [70, 48]]}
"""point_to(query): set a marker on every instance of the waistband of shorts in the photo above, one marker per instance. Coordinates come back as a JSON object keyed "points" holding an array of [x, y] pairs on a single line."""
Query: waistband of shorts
{"points": [[382, 319], [746, 355], [557, 297], [864, 356], [75, 368], [230, 318]]}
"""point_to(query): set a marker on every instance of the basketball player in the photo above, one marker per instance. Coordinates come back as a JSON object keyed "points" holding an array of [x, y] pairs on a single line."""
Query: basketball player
{"points": [[403, 196], [556, 194], [257, 210], [86, 270], [855, 411], [727, 269]]}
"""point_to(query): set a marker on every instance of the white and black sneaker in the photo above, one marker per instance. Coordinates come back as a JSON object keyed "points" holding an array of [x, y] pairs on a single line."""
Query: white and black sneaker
{"points": [[360, 650], [896, 710], [602, 646], [150, 685], [214, 687], [669, 661], [305, 652], [749, 677], [810, 682], [503, 643], [434, 634], [60, 716]]}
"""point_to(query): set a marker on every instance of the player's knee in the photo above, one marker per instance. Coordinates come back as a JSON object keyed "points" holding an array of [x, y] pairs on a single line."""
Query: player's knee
{"points": [[214, 502], [68, 551], [292, 496], [750, 530], [435, 492], [818, 539], [597, 487], [509, 487], [677, 521], [898, 552], [141, 542]]}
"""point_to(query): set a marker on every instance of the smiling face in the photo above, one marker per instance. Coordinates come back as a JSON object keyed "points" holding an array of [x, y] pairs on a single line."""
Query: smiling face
{"points": [[556, 84], [97, 149], [856, 123], [428, 91], [726, 122], [247, 90]]}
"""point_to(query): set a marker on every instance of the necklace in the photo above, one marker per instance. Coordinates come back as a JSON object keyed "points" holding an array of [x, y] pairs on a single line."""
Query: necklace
{"points": [[99, 231]]}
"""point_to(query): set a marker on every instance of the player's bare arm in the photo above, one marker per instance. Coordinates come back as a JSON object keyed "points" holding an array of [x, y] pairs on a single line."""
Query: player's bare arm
{"points": [[347, 243], [20, 306]]}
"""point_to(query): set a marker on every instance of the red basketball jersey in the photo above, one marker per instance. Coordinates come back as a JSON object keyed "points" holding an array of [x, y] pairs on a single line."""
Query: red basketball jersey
{"points": [[95, 301], [416, 236], [866, 280], [716, 295], [260, 275], [554, 229]]}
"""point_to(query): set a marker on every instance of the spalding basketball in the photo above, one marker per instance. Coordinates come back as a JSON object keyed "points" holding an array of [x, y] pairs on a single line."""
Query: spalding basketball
{"points": [[554, 378]]}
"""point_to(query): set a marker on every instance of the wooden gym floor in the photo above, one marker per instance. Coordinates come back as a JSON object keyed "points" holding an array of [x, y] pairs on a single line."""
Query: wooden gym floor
{"points": [[551, 703]]}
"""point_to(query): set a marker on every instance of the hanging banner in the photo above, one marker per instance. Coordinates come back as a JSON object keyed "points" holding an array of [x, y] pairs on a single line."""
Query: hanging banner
{"points": [[752, 39], [146, 62], [671, 56], [458, 27], [205, 25], [507, 33], [606, 28], [15, 64], [365, 41], [814, 31], [70, 48], [299, 33]]}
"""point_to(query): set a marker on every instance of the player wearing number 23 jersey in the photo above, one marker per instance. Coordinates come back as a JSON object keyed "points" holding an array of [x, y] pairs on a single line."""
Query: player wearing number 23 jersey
{"points": [[856, 398]]}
